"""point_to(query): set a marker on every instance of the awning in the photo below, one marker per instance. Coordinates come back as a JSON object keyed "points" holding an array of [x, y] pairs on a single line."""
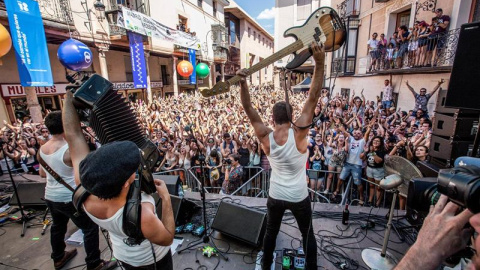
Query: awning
{"points": [[304, 86]]}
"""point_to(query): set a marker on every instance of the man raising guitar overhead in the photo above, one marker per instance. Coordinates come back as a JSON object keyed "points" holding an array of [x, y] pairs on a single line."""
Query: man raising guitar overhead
{"points": [[286, 149]]}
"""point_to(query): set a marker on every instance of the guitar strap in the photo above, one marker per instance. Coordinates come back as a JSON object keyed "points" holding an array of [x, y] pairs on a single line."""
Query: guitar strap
{"points": [[53, 173]]}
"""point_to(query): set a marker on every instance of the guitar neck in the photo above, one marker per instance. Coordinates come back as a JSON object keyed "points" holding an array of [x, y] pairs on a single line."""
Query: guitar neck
{"points": [[270, 60]]}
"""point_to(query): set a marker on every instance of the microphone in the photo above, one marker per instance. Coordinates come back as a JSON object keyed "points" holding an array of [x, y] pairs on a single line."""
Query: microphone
{"points": [[390, 182]]}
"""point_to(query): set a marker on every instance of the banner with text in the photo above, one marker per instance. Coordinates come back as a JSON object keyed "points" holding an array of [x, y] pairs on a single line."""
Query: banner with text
{"points": [[28, 38], [193, 60], [142, 24], [137, 57]]}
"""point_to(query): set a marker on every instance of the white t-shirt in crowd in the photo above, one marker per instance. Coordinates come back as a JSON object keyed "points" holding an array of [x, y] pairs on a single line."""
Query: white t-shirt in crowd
{"points": [[356, 148]]}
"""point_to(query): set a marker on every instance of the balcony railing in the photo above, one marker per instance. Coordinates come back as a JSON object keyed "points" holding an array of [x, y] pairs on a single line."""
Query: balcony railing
{"points": [[342, 67], [435, 52], [137, 5], [52, 10], [349, 8]]}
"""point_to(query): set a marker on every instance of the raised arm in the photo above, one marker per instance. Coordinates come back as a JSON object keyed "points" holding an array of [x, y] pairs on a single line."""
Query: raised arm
{"points": [[73, 135], [437, 87], [410, 88], [261, 130], [315, 89]]}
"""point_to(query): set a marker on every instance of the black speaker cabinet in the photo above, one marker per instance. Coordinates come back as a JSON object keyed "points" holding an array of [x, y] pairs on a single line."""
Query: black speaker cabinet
{"points": [[428, 169], [440, 106], [240, 222], [455, 126], [174, 185], [183, 209], [463, 87], [448, 149], [418, 204], [31, 194]]}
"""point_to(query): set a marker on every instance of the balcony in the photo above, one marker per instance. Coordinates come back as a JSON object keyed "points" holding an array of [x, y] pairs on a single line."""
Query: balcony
{"points": [[435, 54], [58, 11], [114, 13], [342, 66], [220, 44], [349, 8]]}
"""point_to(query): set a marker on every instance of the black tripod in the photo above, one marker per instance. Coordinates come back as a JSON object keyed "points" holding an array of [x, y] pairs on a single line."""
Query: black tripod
{"points": [[24, 217], [206, 237]]}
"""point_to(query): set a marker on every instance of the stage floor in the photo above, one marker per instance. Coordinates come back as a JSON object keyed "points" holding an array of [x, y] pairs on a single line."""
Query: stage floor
{"points": [[333, 239]]}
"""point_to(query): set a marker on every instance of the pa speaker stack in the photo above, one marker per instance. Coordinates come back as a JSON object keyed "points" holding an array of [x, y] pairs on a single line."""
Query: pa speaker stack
{"points": [[458, 110]]}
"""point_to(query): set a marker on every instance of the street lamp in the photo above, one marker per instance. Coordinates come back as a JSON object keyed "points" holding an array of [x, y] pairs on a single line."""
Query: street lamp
{"points": [[99, 6]]}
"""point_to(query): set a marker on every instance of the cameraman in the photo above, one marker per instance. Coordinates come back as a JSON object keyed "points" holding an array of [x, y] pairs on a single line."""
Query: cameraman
{"points": [[233, 175], [442, 235]]}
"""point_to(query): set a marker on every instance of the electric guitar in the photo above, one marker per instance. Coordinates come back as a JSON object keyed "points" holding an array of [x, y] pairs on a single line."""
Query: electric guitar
{"points": [[323, 26]]}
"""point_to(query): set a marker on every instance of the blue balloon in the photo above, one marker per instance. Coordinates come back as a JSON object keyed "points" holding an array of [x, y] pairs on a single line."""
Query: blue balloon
{"points": [[74, 55]]}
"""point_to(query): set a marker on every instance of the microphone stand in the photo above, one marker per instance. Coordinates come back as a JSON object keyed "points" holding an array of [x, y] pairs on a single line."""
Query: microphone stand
{"points": [[206, 237], [24, 218]]}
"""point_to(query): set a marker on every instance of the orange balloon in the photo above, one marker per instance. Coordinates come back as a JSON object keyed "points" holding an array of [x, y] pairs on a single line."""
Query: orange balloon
{"points": [[184, 68], [5, 41]]}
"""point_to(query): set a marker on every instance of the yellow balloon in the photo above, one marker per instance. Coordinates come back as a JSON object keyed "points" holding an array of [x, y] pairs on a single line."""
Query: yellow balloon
{"points": [[5, 41]]}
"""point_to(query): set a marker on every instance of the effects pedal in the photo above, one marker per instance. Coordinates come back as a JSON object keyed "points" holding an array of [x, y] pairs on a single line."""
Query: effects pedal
{"points": [[188, 228], [293, 259], [198, 231]]}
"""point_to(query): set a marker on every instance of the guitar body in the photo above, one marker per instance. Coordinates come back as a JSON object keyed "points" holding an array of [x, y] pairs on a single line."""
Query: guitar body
{"points": [[325, 26]]}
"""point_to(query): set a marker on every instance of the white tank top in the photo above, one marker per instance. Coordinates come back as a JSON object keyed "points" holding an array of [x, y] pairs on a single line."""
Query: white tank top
{"points": [[134, 255], [54, 191], [288, 180]]}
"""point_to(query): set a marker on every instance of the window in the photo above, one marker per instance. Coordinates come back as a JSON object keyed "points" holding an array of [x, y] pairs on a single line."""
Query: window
{"points": [[263, 41], [214, 8], [249, 31], [128, 68], [304, 9], [199, 3], [165, 75], [232, 32], [254, 35], [403, 18], [258, 38], [182, 24]]}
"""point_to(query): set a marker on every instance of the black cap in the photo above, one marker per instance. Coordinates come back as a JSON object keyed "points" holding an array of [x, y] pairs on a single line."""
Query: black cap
{"points": [[104, 171]]}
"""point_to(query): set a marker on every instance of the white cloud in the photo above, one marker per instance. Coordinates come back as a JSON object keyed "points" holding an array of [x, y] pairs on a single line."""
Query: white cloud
{"points": [[267, 14], [268, 26]]}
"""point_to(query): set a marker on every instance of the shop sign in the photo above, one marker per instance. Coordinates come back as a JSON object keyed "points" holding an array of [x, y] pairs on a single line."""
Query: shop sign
{"points": [[131, 85], [184, 82], [16, 90]]}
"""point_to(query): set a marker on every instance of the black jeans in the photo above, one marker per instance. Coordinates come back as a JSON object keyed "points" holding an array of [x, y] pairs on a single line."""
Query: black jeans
{"points": [[61, 213], [166, 263], [302, 212]]}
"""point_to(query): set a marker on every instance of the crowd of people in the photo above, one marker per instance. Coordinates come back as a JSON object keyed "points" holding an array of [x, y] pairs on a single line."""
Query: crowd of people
{"points": [[221, 132], [418, 46]]}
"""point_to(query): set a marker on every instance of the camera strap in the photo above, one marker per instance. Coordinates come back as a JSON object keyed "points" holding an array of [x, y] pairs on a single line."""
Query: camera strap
{"points": [[53, 173]]}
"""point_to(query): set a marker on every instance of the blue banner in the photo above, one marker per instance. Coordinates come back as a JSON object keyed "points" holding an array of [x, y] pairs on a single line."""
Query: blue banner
{"points": [[29, 42], [192, 59], [137, 56]]}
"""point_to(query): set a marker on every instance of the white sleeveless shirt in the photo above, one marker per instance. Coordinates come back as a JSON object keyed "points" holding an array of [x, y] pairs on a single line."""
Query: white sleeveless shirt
{"points": [[134, 255], [54, 191], [288, 180]]}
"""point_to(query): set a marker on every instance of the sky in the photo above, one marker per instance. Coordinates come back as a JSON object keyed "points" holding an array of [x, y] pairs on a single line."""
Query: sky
{"points": [[263, 11]]}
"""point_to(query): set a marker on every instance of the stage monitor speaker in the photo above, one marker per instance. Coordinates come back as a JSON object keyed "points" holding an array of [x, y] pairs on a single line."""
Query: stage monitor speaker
{"points": [[418, 204], [174, 185], [240, 222], [428, 169], [31, 194], [183, 209], [463, 87]]}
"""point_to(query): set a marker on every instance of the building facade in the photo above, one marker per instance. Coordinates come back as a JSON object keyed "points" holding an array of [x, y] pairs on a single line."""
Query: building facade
{"points": [[349, 67], [249, 43], [98, 28]]}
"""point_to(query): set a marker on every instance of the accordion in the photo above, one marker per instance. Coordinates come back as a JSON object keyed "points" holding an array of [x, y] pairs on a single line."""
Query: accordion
{"points": [[112, 119]]}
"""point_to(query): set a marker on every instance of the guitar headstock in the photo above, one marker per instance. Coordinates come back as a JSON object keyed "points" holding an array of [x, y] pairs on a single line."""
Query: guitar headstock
{"points": [[219, 88]]}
